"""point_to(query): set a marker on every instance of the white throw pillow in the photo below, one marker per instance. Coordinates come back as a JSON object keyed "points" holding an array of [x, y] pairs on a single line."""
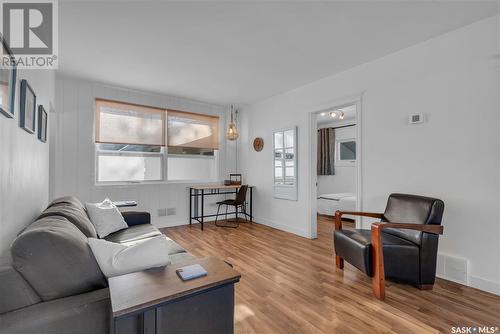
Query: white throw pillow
{"points": [[105, 217], [116, 259]]}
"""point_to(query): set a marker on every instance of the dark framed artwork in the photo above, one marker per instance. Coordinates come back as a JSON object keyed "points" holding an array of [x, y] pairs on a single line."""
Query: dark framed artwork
{"points": [[27, 107], [42, 124], [7, 81]]}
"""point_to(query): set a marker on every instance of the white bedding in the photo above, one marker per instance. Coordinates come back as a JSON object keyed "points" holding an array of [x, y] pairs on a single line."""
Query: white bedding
{"points": [[329, 203], [337, 196]]}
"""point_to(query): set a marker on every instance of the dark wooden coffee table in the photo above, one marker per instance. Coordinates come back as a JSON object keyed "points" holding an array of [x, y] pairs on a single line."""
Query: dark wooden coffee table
{"points": [[158, 301]]}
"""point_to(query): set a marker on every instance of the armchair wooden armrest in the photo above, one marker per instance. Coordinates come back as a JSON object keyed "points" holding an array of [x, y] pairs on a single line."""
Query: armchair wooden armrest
{"points": [[434, 229], [378, 256], [338, 216]]}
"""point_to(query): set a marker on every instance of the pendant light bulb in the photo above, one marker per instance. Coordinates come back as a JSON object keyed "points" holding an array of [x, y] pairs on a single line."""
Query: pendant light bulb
{"points": [[232, 130]]}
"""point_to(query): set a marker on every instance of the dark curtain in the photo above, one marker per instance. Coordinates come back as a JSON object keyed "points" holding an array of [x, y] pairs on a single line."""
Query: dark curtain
{"points": [[326, 151]]}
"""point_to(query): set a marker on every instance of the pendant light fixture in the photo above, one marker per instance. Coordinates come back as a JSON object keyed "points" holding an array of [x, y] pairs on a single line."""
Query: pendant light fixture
{"points": [[232, 131]]}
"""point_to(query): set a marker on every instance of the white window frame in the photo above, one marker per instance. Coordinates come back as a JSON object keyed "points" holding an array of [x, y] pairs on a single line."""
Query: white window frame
{"points": [[164, 154], [340, 162], [215, 157]]}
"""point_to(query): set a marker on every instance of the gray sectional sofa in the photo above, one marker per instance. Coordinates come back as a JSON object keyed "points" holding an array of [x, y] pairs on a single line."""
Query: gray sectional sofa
{"points": [[54, 284]]}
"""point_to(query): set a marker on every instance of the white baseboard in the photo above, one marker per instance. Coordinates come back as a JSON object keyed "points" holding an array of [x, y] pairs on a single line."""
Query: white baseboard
{"points": [[484, 284], [262, 221], [286, 228], [180, 222], [456, 269], [476, 282]]}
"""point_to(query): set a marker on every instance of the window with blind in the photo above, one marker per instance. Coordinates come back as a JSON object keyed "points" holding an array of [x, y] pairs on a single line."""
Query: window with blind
{"points": [[136, 143], [193, 143]]}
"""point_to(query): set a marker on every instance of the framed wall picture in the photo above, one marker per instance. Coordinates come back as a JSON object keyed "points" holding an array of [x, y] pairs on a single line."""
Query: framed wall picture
{"points": [[7, 81], [27, 107], [258, 144], [42, 124]]}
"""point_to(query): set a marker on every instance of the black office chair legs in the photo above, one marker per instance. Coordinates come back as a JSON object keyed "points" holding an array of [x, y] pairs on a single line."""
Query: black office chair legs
{"points": [[217, 214], [244, 208], [226, 220]]}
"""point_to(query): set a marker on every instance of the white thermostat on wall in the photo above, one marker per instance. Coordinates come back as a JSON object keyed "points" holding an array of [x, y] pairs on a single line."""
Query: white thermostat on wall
{"points": [[416, 119]]}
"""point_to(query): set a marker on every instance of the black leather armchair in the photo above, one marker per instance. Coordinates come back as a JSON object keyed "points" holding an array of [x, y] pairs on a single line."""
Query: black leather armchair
{"points": [[402, 246]]}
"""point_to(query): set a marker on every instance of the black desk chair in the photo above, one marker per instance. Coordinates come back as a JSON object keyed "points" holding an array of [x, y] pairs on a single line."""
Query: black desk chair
{"points": [[402, 246], [237, 202]]}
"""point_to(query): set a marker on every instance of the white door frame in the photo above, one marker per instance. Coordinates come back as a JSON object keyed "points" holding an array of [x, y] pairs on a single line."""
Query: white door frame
{"points": [[313, 156]]}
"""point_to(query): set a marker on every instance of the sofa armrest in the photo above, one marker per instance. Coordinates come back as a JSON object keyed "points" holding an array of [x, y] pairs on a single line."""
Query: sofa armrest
{"points": [[79, 314], [136, 217]]}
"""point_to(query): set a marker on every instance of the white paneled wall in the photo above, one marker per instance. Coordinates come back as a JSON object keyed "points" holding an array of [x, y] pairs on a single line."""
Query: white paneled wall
{"points": [[74, 165], [24, 164]]}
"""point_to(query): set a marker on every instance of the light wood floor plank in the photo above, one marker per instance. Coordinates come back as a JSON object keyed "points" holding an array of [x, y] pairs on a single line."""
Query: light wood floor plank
{"points": [[290, 284]]}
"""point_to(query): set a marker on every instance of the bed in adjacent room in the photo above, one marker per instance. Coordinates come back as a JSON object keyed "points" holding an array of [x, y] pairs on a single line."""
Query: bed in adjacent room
{"points": [[329, 203]]}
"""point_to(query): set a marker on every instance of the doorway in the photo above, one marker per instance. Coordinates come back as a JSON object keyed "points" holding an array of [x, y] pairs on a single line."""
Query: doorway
{"points": [[335, 163]]}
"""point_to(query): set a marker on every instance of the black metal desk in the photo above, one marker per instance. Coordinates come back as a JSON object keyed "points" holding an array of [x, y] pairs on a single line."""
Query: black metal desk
{"points": [[197, 195]]}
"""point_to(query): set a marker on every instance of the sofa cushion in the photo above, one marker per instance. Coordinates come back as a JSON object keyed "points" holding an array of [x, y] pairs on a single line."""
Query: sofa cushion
{"points": [[139, 233], [118, 259], [399, 254], [133, 233], [68, 200], [180, 257], [73, 213], [55, 259], [87, 313], [174, 248], [15, 291], [136, 217], [105, 217]]}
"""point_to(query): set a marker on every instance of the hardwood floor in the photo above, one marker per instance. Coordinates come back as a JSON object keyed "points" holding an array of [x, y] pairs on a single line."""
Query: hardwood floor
{"points": [[290, 284]]}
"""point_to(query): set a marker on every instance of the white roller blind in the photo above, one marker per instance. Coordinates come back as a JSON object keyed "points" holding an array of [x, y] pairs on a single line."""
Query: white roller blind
{"points": [[192, 130], [124, 123]]}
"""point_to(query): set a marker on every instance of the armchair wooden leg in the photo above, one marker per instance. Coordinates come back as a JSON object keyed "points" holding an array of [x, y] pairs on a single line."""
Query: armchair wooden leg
{"points": [[378, 280], [339, 262], [425, 286]]}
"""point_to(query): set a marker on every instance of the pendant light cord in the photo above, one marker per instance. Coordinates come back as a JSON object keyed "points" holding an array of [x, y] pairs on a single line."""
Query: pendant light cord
{"points": [[236, 146]]}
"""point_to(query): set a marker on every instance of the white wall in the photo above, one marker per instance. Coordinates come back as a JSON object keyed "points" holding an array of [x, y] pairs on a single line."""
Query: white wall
{"points": [[24, 164], [74, 169], [344, 180], [455, 155]]}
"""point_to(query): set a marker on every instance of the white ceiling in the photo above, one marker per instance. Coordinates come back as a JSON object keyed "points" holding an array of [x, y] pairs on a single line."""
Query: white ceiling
{"points": [[241, 52]]}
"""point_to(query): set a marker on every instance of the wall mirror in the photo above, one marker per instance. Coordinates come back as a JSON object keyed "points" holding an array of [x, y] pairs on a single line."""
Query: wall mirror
{"points": [[285, 163]]}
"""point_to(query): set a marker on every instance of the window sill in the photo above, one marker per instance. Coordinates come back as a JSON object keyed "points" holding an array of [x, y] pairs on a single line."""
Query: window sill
{"points": [[151, 183]]}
